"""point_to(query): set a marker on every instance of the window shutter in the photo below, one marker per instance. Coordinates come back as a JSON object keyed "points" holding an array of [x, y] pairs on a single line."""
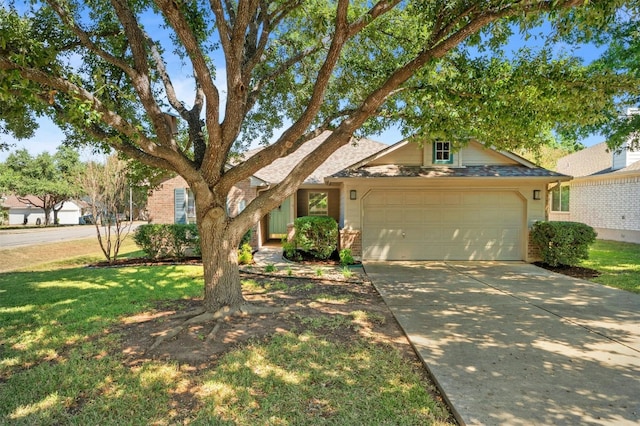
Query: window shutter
{"points": [[180, 205]]}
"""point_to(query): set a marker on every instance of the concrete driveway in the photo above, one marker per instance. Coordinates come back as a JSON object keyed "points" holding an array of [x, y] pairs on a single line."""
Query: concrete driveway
{"points": [[510, 343]]}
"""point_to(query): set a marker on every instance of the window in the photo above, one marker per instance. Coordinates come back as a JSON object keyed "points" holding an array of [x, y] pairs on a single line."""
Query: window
{"points": [[560, 199], [442, 153], [318, 204]]}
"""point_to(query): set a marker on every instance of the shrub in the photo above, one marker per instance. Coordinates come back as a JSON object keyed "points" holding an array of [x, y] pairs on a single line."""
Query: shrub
{"points": [[167, 241], [245, 255], [562, 243], [346, 258], [246, 238], [289, 249], [316, 235]]}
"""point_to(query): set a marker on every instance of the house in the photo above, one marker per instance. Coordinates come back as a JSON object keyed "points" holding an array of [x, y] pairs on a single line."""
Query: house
{"points": [[604, 193], [23, 211], [405, 201], [173, 202]]}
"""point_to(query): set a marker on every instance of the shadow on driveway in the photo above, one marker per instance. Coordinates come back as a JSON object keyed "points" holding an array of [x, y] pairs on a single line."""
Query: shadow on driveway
{"points": [[511, 343]]}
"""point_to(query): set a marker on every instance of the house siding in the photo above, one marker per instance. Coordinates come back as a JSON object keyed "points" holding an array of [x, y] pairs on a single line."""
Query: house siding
{"points": [[610, 205]]}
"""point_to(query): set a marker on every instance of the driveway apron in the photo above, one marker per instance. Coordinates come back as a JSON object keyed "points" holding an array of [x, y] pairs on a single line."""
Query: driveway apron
{"points": [[512, 344]]}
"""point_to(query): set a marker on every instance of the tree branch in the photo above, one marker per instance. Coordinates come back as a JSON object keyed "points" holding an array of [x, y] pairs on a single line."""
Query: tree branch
{"points": [[85, 39], [290, 139], [203, 74]]}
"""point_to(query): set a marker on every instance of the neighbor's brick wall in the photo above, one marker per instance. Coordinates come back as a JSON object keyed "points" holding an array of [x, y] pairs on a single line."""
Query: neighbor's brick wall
{"points": [[607, 203], [160, 203]]}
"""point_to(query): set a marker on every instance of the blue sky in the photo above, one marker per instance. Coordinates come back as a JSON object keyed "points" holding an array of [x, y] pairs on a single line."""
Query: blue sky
{"points": [[48, 137]]}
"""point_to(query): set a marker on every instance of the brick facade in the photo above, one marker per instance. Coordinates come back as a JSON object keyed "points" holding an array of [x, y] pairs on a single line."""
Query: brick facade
{"points": [[160, 203], [610, 205], [351, 239]]}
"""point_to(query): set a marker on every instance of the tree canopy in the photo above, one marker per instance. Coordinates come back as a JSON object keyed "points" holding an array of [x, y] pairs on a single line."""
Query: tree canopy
{"points": [[283, 71], [50, 178]]}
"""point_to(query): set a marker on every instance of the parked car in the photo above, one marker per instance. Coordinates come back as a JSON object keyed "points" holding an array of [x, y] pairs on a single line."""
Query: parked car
{"points": [[87, 219]]}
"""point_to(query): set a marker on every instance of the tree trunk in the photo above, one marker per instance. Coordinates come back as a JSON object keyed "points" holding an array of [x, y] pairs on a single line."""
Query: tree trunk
{"points": [[222, 286], [47, 216]]}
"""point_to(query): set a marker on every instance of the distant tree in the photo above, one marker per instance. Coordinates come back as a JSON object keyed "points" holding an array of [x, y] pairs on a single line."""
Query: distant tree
{"points": [[50, 178], [547, 155], [106, 187]]}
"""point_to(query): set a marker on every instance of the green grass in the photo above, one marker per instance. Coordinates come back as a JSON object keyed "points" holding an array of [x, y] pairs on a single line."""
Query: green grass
{"points": [[61, 362], [618, 262]]}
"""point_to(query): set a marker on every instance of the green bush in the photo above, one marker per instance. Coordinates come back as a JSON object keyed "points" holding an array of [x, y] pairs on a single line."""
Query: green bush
{"points": [[562, 243], [346, 258], [289, 249], [316, 235], [167, 241], [245, 255]]}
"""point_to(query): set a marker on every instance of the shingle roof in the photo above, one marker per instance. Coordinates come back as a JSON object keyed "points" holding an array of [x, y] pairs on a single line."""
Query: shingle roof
{"points": [[469, 171], [343, 157], [12, 201], [633, 167], [589, 161]]}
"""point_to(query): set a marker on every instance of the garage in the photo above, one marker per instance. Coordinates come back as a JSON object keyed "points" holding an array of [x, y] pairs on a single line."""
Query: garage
{"points": [[443, 225]]}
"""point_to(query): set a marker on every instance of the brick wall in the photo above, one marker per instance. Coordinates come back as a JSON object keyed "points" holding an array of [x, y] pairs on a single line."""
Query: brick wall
{"points": [[533, 253], [351, 239], [607, 203], [160, 204]]}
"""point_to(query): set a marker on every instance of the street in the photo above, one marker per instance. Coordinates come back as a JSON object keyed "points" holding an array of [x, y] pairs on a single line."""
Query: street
{"points": [[24, 237]]}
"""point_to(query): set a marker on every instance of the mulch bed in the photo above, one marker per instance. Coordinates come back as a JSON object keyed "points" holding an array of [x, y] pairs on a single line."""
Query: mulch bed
{"points": [[572, 271]]}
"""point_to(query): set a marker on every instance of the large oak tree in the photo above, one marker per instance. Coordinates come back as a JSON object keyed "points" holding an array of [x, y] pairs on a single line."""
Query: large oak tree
{"points": [[281, 72]]}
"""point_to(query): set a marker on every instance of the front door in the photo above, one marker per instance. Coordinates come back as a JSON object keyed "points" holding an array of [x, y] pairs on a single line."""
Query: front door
{"points": [[279, 218]]}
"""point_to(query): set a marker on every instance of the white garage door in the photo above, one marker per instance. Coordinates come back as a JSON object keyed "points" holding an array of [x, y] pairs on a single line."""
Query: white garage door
{"points": [[442, 225]]}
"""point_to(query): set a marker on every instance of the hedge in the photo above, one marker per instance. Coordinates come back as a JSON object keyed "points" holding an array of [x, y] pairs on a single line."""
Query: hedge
{"points": [[316, 235], [563, 243], [160, 241]]}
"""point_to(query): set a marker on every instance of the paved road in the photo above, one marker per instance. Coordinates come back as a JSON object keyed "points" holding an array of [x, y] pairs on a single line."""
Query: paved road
{"points": [[25, 237], [513, 344]]}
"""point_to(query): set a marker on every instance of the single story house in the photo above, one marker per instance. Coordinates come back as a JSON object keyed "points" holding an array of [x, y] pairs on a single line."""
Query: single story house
{"points": [[604, 193], [399, 202], [23, 210]]}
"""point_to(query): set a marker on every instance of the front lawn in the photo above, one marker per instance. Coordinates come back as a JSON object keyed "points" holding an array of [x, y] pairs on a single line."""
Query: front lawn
{"points": [[618, 263], [73, 346]]}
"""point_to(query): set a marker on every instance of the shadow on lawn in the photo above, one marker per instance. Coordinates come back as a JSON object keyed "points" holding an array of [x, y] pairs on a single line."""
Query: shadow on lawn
{"points": [[61, 361]]}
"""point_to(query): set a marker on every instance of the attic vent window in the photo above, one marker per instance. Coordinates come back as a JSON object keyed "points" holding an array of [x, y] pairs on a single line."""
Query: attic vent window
{"points": [[442, 153]]}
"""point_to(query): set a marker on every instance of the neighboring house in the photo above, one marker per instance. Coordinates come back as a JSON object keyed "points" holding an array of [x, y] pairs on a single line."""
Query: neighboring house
{"points": [[400, 202], [23, 210], [604, 193]]}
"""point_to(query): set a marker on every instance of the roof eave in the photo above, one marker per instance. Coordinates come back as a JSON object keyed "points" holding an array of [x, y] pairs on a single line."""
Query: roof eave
{"points": [[563, 178]]}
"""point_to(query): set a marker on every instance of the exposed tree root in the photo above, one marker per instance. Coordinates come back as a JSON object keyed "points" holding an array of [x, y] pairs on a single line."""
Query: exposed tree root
{"points": [[212, 334], [201, 316]]}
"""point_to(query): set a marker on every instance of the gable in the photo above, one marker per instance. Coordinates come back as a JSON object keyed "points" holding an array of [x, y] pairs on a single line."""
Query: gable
{"points": [[593, 160], [411, 154]]}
